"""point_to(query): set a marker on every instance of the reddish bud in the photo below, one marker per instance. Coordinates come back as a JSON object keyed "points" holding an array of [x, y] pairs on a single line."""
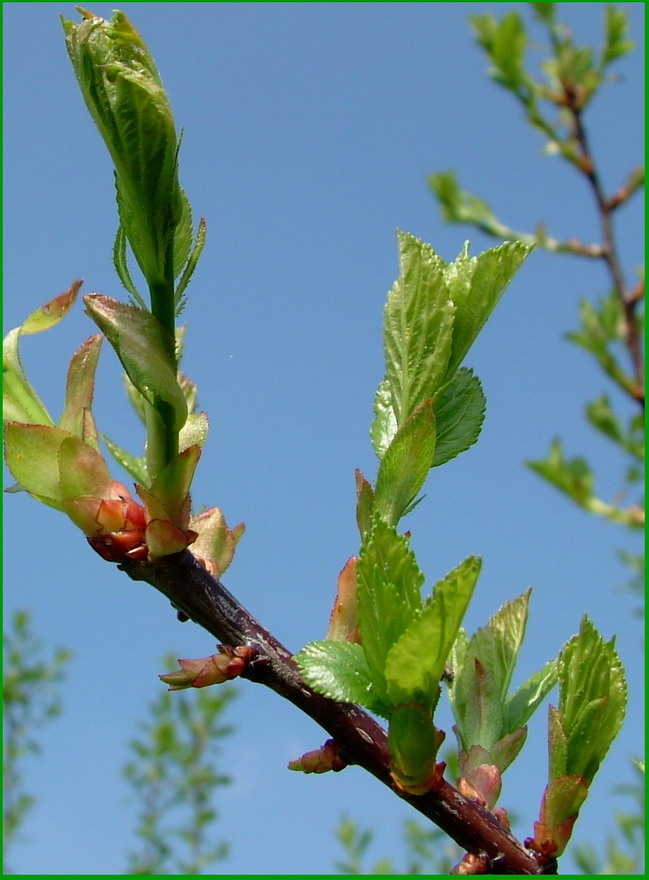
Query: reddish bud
{"points": [[320, 760], [224, 666]]}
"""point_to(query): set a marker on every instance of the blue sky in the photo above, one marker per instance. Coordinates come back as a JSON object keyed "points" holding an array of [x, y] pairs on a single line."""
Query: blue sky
{"points": [[309, 130]]}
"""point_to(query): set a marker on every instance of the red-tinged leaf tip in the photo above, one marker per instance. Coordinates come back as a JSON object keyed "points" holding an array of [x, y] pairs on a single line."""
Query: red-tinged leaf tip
{"points": [[52, 312]]}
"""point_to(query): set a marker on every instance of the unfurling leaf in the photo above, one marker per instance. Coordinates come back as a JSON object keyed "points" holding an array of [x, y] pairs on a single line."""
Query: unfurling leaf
{"points": [[416, 661], [20, 402], [405, 465], [144, 348], [125, 96]]}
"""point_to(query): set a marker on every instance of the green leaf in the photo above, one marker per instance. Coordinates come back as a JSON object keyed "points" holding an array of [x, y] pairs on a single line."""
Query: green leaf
{"points": [[384, 426], [417, 327], [171, 486], [388, 595], [20, 402], [545, 12], [76, 417], [194, 431], [617, 28], [459, 414], [215, 542], [522, 704], [459, 206], [32, 454], [405, 465], [414, 742], [82, 470], [505, 42], [476, 285], [339, 670], [572, 476], [416, 662], [485, 716], [144, 348], [592, 699], [183, 234], [134, 465], [125, 96], [600, 332], [120, 262], [192, 262], [364, 505]]}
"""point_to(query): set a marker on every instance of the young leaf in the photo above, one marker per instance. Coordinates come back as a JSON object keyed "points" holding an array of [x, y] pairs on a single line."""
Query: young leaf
{"points": [[415, 663], [134, 465], [339, 670], [192, 262], [617, 29], [144, 349], [20, 402], [171, 486], [522, 704], [484, 714], [125, 96], [120, 262], [76, 416], [459, 414], [364, 505], [414, 742], [388, 594], [32, 454], [476, 284], [82, 470], [592, 699], [405, 465], [417, 327], [384, 426], [572, 476]]}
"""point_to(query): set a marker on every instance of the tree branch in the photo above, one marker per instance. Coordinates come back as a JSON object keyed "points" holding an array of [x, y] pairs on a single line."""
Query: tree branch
{"points": [[359, 739], [605, 208]]}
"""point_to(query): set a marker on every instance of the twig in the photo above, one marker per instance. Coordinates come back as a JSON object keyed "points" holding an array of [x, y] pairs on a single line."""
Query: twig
{"points": [[609, 251], [360, 740]]}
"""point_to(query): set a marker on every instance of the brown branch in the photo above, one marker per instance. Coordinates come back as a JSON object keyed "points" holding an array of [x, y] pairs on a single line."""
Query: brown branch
{"points": [[605, 208], [359, 739]]}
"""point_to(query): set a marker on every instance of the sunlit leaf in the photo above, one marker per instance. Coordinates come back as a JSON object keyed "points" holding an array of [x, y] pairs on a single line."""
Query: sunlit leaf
{"points": [[416, 662], [405, 464]]}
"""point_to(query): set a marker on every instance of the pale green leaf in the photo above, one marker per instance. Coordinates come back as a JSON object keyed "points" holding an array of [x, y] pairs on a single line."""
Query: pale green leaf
{"points": [[82, 470], [144, 349], [405, 465], [572, 476], [120, 262], [384, 426], [522, 704], [416, 662], [417, 327], [20, 402], [476, 285], [388, 593], [134, 465], [79, 391], [32, 454], [592, 698], [192, 262]]}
